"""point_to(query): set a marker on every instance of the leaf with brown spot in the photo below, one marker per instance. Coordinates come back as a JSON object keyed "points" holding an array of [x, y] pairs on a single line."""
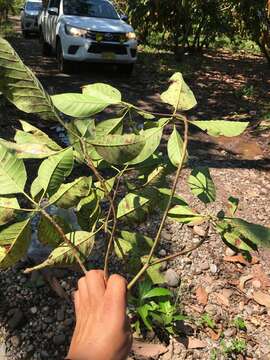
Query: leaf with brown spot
{"points": [[201, 295]]}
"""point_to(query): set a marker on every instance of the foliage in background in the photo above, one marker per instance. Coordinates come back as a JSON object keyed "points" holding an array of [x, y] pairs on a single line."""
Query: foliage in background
{"points": [[126, 178]]}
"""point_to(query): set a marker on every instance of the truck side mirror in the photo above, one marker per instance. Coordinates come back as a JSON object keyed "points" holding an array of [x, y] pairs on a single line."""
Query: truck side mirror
{"points": [[124, 17]]}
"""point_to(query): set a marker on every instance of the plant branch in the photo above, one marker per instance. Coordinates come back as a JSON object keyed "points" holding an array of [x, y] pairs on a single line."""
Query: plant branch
{"points": [[177, 176], [108, 196], [73, 247]]}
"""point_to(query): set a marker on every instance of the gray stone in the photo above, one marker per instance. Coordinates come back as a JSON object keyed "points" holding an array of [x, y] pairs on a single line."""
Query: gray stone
{"points": [[59, 339], [48, 320], [68, 322], [162, 252], [15, 340], [230, 332], [204, 266], [17, 319], [198, 230], [229, 252], [213, 268], [33, 310], [44, 354], [60, 315], [166, 236], [172, 278]]}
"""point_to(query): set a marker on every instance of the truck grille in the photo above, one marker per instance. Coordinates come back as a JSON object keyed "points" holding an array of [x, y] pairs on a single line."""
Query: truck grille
{"points": [[98, 48], [106, 36]]}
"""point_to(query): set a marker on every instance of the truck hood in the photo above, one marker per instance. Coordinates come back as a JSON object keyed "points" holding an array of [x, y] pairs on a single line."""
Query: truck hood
{"points": [[97, 24]]}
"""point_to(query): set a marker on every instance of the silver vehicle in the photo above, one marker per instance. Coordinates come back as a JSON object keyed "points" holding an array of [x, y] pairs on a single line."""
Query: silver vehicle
{"points": [[29, 16]]}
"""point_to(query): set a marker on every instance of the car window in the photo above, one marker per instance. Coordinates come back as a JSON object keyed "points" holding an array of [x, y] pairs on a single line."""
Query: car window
{"points": [[90, 8], [33, 6], [54, 4]]}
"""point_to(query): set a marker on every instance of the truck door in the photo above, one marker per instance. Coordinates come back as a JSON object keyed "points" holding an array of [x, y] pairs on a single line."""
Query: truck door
{"points": [[52, 18]]}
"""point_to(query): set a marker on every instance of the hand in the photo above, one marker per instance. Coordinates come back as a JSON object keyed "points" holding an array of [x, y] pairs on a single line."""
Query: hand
{"points": [[102, 329]]}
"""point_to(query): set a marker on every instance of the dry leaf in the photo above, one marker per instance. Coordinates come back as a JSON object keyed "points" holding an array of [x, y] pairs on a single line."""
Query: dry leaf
{"points": [[147, 350], [201, 295], [262, 298], [223, 297], [243, 280], [261, 276], [213, 335], [241, 260], [194, 343]]}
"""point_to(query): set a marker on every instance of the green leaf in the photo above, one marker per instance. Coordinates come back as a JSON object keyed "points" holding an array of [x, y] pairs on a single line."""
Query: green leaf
{"points": [[52, 172], [85, 127], [88, 211], [33, 135], [221, 127], [231, 236], [143, 311], [157, 292], [233, 205], [14, 242], [7, 207], [154, 272], [94, 99], [152, 138], [47, 233], [28, 151], [184, 214], [109, 183], [21, 87], [134, 244], [165, 196], [175, 148], [202, 185], [135, 206], [110, 126], [64, 255], [179, 94], [256, 234], [12, 173], [119, 149], [70, 194]]}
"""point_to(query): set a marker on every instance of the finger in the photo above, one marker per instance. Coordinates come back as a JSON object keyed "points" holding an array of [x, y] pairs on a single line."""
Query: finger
{"points": [[76, 303], [83, 292], [96, 285], [115, 297]]}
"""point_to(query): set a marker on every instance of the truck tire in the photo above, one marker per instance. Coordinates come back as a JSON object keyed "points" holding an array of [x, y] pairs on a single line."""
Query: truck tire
{"points": [[45, 47], [64, 66]]}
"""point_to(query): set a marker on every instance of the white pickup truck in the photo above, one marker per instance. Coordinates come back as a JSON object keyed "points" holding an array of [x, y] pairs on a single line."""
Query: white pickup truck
{"points": [[86, 31]]}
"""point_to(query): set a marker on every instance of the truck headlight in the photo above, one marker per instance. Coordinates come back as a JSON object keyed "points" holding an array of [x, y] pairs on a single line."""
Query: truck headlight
{"points": [[74, 31], [131, 35]]}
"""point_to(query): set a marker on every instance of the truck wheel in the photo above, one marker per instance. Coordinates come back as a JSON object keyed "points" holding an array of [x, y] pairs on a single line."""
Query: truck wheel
{"points": [[64, 66], [46, 48]]}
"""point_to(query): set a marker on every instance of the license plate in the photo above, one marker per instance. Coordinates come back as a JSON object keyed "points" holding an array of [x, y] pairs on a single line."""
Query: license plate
{"points": [[108, 56]]}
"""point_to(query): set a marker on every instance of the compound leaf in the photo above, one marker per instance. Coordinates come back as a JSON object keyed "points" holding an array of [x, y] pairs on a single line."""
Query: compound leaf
{"points": [[21, 87], [12, 173], [175, 147], [202, 185], [179, 94], [7, 207], [221, 127], [14, 242]]}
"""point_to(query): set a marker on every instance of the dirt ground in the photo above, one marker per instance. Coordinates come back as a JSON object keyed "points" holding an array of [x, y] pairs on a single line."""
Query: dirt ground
{"points": [[233, 86]]}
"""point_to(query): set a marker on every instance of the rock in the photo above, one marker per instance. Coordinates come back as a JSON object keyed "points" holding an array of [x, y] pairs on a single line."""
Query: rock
{"points": [[48, 320], [33, 310], [204, 266], [213, 268], [230, 332], [68, 322], [60, 315], [172, 278], [15, 340], [162, 253], [17, 319], [44, 354], [166, 236], [229, 252], [59, 339], [198, 230]]}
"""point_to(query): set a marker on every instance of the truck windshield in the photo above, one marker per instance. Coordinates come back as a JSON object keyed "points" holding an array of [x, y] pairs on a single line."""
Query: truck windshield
{"points": [[90, 8], [33, 6]]}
